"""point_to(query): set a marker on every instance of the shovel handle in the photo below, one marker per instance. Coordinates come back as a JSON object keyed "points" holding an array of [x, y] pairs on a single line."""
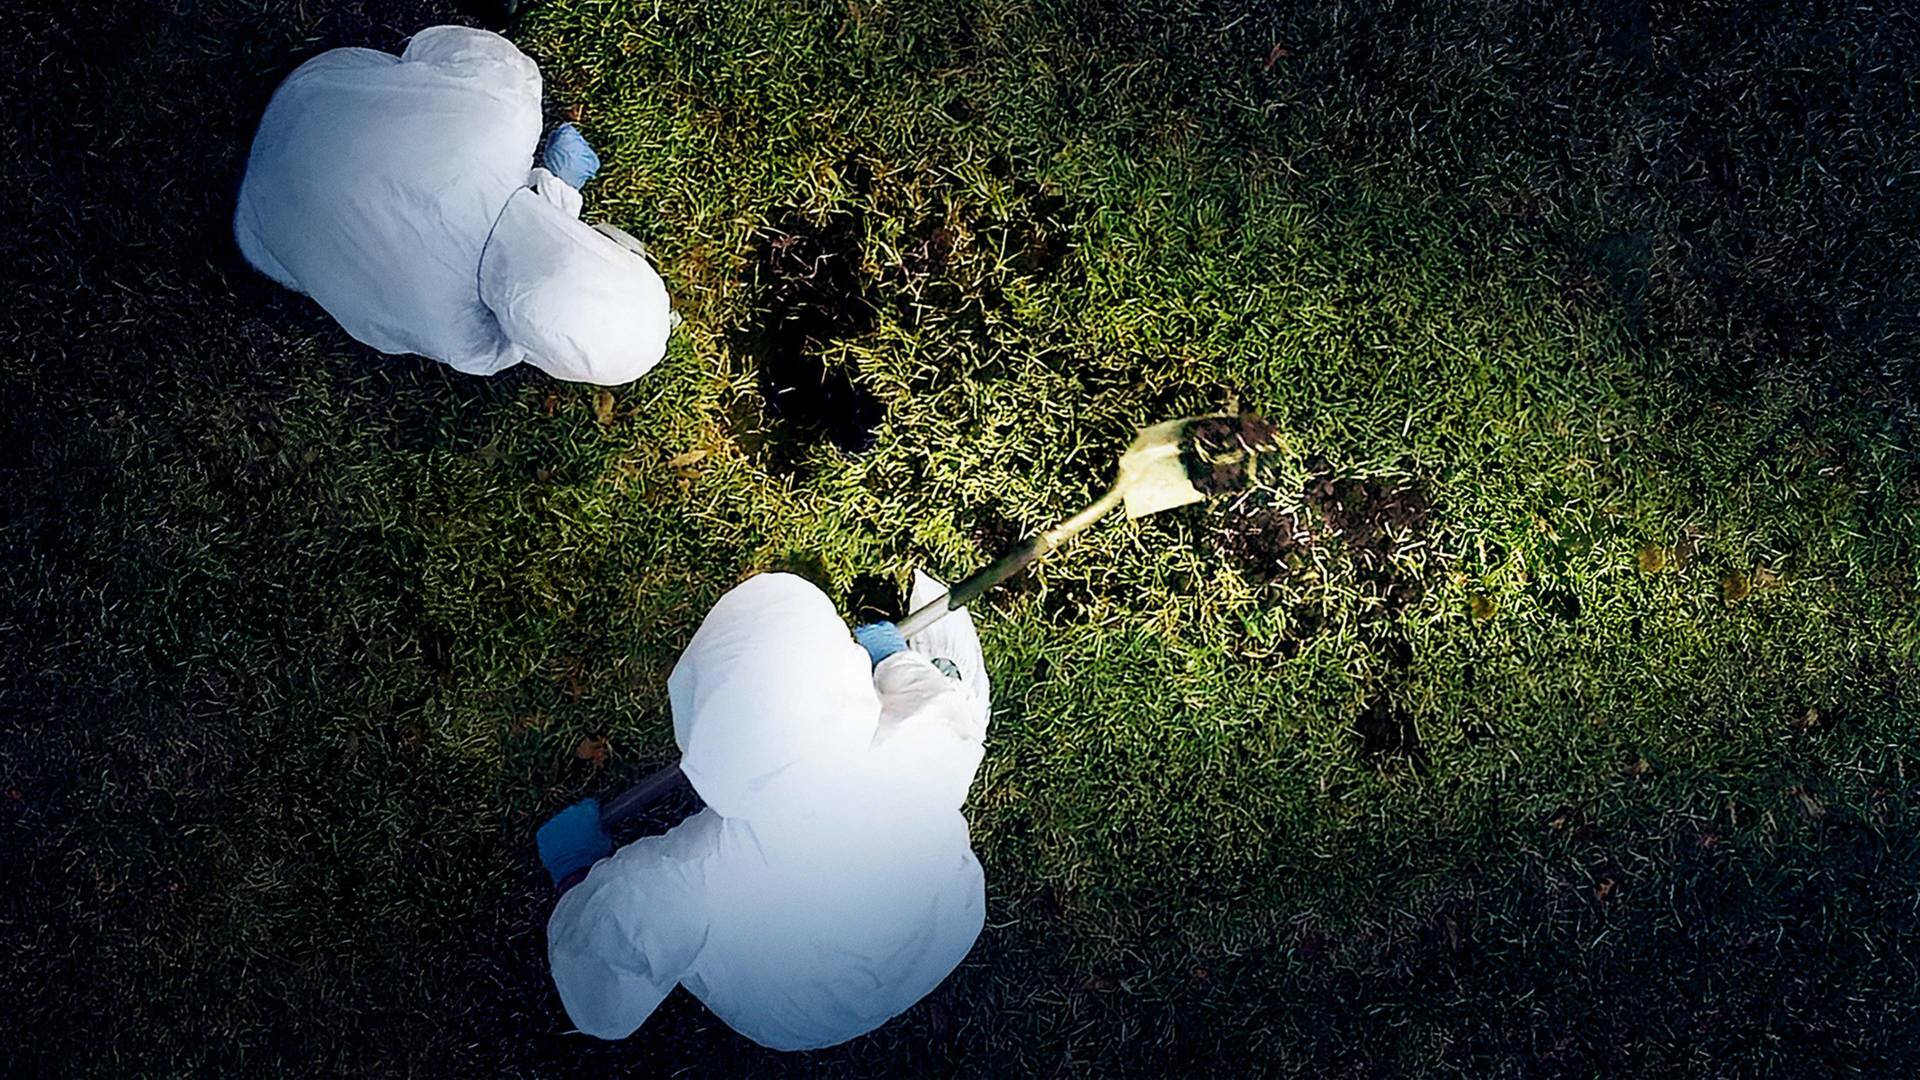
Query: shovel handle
{"points": [[639, 797], [1008, 565], [973, 587], [658, 785]]}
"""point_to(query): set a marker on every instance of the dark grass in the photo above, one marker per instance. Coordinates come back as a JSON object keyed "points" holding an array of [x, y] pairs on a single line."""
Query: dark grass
{"points": [[303, 642]]}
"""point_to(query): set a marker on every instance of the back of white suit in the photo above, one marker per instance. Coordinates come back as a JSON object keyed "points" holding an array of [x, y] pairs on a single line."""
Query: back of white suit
{"points": [[841, 885]]}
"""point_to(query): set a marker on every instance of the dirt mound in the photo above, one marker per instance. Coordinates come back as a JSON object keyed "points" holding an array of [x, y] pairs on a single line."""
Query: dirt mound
{"points": [[1371, 519], [1216, 436]]}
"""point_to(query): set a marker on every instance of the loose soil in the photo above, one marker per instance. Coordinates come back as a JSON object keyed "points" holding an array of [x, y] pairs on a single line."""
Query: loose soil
{"points": [[1371, 518], [1210, 439]]}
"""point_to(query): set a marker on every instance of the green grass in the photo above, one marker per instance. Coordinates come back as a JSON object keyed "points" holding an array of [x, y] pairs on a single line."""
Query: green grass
{"points": [[301, 640]]}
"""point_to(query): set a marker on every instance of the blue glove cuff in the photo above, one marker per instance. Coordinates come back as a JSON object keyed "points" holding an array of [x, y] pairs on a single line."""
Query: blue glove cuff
{"points": [[573, 840], [880, 639], [569, 157]]}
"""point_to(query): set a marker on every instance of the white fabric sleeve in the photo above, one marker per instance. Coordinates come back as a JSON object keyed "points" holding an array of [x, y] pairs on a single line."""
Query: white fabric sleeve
{"points": [[564, 196], [914, 692], [931, 736], [581, 307], [953, 638], [619, 941]]}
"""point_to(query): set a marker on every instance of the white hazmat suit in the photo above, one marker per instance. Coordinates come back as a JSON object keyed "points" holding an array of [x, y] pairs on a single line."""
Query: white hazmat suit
{"points": [[829, 884], [399, 193]]}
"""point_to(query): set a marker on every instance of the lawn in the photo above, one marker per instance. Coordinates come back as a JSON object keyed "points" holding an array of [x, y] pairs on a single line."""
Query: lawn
{"points": [[1553, 712]]}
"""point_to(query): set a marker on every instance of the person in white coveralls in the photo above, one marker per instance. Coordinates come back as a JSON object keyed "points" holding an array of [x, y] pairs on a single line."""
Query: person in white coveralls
{"points": [[399, 192], [829, 884]]}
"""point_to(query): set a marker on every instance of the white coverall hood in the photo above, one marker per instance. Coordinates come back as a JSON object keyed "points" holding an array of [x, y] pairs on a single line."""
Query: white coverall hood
{"points": [[847, 890], [771, 695], [375, 183]]}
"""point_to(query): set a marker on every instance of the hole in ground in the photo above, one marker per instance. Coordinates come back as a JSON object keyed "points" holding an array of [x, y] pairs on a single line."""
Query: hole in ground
{"points": [[874, 597], [1384, 731], [808, 293]]}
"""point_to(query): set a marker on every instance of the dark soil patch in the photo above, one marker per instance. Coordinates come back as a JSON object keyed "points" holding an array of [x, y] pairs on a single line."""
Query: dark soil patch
{"points": [[1267, 541], [1371, 518], [924, 251], [1065, 602], [1211, 440], [1384, 730], [874, 597], [809, 293], [954, 263], [994, 532], [1395, 651]]}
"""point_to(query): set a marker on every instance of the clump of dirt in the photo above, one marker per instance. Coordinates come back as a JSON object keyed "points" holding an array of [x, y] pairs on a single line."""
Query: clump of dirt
{"points": [[1215, 450], [809, 292], [1371, 518]]}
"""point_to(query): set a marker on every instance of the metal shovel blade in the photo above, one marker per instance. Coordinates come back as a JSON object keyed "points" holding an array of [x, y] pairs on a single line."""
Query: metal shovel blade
{"points": [[1153, 477]]}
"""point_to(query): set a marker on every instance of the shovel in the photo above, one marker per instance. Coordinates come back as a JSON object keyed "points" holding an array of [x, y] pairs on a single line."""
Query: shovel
{"points": [[1170, 464]]}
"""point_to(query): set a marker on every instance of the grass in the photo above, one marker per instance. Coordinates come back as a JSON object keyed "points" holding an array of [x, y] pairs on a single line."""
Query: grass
{"points": [[302, 641]]}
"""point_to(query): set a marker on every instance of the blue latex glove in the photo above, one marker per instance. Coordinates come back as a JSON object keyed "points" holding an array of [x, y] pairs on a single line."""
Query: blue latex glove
{"points": [[573, 840], [569, 157], [880, 639]]}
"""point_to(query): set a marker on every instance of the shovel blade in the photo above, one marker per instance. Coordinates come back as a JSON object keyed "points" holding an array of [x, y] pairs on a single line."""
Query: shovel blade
{"points": [[1153, 477]]}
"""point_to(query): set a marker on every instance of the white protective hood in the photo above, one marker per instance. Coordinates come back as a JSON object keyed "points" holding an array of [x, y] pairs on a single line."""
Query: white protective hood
{"points": [[375, 182], [847, 890], [771, 694]]}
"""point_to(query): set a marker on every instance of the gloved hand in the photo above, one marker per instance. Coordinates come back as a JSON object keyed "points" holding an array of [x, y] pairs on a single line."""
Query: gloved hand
{"points": [[573, 840], [880, 639], [569, 157]]}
